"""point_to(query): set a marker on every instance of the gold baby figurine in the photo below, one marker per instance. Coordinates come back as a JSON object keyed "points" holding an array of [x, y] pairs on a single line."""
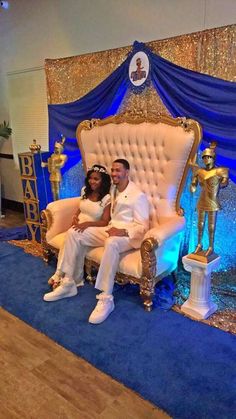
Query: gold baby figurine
{"points": [[211, 179], [54, 163]]}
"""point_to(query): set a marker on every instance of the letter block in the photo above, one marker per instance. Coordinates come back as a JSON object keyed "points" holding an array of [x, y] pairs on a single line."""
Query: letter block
{"points": [[36, 190]]}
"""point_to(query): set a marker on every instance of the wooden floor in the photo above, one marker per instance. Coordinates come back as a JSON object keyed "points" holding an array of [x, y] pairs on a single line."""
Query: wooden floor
{"points": [[11, 219], [40, 379]]}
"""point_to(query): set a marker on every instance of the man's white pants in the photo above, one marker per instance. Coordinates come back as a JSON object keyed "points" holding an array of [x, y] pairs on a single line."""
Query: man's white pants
{"points": [[72, 255]]}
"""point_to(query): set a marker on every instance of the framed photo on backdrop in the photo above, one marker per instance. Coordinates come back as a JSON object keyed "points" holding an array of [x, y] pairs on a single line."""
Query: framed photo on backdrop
{"points": [[139, 69]]}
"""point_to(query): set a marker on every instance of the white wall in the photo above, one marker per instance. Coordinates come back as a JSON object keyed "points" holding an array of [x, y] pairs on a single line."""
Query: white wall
{"points": [[31, 31]]}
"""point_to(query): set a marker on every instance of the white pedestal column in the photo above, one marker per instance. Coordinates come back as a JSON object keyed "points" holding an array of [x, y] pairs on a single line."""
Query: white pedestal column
{"points": [[199, 304]]}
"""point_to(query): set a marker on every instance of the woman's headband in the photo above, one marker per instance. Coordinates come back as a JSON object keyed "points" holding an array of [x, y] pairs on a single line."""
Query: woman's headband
{"points": [[98, 169]]}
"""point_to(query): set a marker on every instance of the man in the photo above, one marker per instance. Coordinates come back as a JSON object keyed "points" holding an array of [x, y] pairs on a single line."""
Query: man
{"points": [[128, 224]]}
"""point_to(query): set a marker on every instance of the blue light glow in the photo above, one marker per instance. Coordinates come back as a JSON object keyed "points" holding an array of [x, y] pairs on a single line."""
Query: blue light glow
{"points": [[72, 181]]}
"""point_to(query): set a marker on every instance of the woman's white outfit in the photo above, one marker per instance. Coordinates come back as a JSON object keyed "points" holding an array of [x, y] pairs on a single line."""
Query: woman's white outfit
{"points": [[70, 258]]}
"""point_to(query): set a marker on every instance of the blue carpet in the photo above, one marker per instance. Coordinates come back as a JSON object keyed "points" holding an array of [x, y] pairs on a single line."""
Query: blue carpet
{"points": [[13, 233], [184, 367]]}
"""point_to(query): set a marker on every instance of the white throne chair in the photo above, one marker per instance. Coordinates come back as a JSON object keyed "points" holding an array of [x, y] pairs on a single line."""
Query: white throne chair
{"points": [[159, 150]]}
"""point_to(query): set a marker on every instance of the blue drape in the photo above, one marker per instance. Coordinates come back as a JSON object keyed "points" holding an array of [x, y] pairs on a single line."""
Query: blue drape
{"points": [[209, 100], [100, 102]]}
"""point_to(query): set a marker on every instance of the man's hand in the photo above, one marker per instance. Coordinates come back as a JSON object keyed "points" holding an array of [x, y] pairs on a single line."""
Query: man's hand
{"points": [[120, 232], [81, 226]]}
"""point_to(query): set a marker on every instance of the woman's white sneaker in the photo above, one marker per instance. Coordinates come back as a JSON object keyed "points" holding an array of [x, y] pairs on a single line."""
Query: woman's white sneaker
{"points": [[67, 288], [104, 307], [56, 277]]}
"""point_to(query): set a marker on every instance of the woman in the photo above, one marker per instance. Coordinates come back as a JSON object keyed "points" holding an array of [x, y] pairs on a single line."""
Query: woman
{"points": [[93, 211]]}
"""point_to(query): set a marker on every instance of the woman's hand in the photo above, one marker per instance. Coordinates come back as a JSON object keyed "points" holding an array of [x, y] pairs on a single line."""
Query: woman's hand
{"points": [[74, 220], [81, 226]]}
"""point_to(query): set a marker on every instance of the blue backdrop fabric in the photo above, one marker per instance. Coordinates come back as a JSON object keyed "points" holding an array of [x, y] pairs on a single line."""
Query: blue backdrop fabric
{"points": [[209, 100]]}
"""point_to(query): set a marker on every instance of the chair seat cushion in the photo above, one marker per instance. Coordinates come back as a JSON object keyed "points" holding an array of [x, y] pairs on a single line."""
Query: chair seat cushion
{"points": [[130, 262], [58, 240]]}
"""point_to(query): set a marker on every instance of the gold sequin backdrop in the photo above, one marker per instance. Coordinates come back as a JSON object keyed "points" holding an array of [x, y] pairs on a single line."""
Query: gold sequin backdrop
{"points": [[211, 51]]}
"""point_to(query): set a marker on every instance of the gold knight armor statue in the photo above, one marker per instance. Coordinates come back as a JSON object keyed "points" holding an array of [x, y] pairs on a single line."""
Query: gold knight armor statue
{"points": [[211, 179], [54, 163]]}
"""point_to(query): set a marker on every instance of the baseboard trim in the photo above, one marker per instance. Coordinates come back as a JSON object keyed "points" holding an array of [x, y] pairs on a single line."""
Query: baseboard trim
{"points": [[6, 156], [12, 205]]}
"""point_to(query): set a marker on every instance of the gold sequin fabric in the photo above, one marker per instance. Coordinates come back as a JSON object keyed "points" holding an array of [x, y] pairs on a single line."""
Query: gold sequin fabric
{"points": [[223, 293], [212, 52], [31, 247], [224, 320]]}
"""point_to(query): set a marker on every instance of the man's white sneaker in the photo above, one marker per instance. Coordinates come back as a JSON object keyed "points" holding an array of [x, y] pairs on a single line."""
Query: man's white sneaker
{"points": [[67, 288], [103, 308]]}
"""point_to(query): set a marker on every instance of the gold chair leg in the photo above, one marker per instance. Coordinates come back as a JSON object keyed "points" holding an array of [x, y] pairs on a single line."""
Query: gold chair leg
{"points": [[147, 293], [88, 271], [47, 255]]}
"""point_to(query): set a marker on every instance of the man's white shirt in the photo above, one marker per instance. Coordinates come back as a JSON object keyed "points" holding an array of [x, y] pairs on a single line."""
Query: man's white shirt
{"points": [[130, 211]]}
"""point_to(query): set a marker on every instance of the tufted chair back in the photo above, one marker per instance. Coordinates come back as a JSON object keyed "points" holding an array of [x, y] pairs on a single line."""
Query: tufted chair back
{"points": [[157, 148]]}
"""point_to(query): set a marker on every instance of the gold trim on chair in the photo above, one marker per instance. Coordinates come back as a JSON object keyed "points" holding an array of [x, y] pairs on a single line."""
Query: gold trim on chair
{"points": [[148, 271], [47, 221]]}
